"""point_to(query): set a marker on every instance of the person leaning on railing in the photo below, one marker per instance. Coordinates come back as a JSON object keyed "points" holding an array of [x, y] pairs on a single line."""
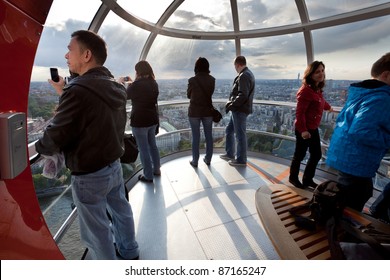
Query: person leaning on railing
{"points": [[200, 90], [88, 128]]}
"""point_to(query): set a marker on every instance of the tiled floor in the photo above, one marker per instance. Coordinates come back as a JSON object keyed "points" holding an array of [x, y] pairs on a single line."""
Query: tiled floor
{"points": [[206, 212]]}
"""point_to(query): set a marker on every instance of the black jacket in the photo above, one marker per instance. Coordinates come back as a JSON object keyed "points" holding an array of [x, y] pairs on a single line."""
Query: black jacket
{"points": [[143, 94], [200, 90], [89, 123], [241, 97]]}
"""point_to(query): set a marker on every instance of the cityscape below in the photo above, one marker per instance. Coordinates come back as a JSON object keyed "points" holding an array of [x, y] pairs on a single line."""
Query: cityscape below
{"points": [[43, 101]]}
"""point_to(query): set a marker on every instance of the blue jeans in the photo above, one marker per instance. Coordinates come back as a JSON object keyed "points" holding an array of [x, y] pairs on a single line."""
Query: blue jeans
{"points": [[380, 208], [207, 123], [236, 130], [94, 194], [150, 156]]}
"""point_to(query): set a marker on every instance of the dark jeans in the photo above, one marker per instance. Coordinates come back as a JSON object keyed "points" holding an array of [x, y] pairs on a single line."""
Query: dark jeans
{"points": [[236, 130], [356, 190], [207, 123], [301, 147], [381, 206]]}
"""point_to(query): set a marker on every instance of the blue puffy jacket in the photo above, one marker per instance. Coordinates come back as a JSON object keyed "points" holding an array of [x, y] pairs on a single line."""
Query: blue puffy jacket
{"points": [[362, 133]]}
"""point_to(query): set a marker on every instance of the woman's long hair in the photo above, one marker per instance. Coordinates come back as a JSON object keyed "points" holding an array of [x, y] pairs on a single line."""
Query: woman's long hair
{"points": [[201, 65], [310, 69], [144, 70]]}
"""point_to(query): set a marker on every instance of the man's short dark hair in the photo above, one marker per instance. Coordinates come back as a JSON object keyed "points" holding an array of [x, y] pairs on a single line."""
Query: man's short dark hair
{"points": [[93, 42], [381, 65], [240, 60]]}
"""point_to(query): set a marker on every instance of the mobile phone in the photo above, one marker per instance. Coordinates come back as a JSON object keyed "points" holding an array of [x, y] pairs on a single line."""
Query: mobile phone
{"points": [[54, 74]]}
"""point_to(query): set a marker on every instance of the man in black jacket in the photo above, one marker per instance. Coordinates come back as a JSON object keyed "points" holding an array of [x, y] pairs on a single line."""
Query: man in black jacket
{"points": [[88, 129], [240, 104]]}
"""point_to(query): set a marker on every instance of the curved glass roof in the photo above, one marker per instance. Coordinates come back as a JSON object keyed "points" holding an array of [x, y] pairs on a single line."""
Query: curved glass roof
{"points": [[278, 38]]}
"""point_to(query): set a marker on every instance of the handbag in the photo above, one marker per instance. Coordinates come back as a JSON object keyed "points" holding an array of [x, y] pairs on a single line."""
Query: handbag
{"points": [[158, 125], [217, 116], [131, 149]]}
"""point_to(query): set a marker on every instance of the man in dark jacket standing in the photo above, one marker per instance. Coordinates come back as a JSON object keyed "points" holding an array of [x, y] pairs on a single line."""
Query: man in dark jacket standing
{"points": [[88, 129], [240, 104]]}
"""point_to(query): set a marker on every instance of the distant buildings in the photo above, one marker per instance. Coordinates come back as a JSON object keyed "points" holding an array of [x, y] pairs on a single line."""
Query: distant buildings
{"points": [[270, 118]]}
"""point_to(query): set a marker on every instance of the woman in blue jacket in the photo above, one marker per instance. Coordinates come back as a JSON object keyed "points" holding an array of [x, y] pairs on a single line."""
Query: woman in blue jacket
{"points": [[362, 134]]}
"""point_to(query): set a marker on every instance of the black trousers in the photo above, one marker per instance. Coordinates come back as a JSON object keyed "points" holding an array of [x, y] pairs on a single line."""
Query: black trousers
{"points": [[312, 144], [356, 190]]}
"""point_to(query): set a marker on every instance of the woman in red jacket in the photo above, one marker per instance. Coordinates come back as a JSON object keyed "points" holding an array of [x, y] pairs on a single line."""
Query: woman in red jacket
{"points": [[310, 105]]}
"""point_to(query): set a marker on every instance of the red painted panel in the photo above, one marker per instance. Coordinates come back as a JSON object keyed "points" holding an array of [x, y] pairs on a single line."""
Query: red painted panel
{"points": [[19, 39], [23, 231], [37, 11]]}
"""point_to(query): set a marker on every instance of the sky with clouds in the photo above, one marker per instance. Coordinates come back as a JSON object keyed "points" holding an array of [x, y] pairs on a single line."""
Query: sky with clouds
{"points": [[348, 51]]}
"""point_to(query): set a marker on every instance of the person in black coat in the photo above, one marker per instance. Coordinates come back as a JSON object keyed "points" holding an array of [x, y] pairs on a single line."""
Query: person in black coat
{"points": [[200, 90], [143, 93]]}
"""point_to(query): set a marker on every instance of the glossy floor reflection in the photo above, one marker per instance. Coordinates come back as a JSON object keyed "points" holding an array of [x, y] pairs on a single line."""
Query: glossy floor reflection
{"points": [[206, 212]]}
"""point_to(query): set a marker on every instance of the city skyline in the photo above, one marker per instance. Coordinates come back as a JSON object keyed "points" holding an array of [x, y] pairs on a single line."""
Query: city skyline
{"points": [[263, 118]]}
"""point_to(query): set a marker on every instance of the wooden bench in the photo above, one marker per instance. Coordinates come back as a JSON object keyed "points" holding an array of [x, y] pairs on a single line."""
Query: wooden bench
{"points": [[290, 241]]}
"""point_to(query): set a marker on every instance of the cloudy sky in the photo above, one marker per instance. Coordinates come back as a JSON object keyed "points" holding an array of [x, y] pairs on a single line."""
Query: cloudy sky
{"points": [[348, 51]]}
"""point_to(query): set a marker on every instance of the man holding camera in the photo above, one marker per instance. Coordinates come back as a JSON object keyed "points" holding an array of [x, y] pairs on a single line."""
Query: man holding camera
{"points": [[88, 128]]}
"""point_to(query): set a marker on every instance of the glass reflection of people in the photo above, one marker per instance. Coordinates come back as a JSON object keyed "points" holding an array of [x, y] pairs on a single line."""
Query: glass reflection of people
{"points": [[200, 90], [361, 136], [310, 106], [241, 105], [88, 128], [143, 93]]}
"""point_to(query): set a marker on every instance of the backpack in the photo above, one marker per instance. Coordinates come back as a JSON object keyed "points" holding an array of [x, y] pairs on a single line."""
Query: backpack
{"points": [[348, 239], [325, 203], [131, 149]]}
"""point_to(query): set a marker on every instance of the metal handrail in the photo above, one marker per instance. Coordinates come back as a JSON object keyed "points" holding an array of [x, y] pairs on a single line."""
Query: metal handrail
{"points": [[34, 156], [65, 226]]}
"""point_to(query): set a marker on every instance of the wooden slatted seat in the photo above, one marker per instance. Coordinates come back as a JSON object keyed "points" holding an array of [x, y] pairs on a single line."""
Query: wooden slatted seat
{"points": [[290, 241]]}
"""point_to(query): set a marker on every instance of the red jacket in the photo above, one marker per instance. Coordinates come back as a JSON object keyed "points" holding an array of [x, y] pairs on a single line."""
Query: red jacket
{"points": [[310, 105]]}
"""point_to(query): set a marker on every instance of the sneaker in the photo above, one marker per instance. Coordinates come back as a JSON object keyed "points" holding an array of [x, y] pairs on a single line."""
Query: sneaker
{"points": [[144, 179], [296, 183], [206, 161], [119, 256], [226, 157], [234, 162], [366, 210], [193, 164]]}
